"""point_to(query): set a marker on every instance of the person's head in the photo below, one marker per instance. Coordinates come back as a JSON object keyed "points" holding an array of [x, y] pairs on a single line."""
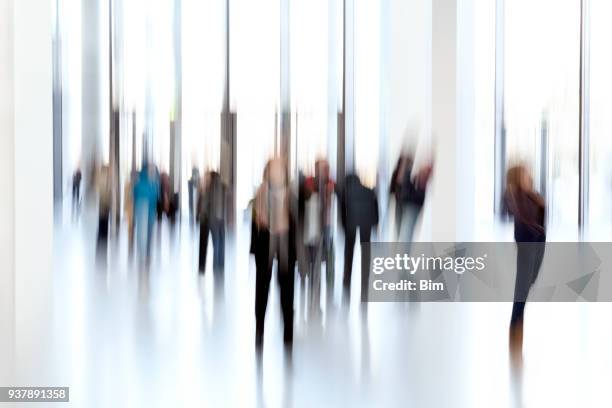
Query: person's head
{"points": [[277, 172], [518, 178], [322, 169]]}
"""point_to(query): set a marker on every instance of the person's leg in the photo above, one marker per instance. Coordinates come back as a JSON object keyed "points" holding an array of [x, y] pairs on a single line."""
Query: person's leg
{"points": [[315, 280], [190, 194], [349, 247], [217, 232], [308, 263], [222, 244], [398, 218], [204, 229], [522, 283], [262, 288], [101, 248], [410, 215], [150, 224], [328, 251], [286, 282], [102, 229], [364, 238], [215, 237], [538, 257], [130, 226], [74, 198]]}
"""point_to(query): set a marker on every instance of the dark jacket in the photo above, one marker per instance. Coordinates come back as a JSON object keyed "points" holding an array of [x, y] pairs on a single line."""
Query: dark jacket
{"points": [[529, 212], [212, 202], [260, 240], [358, 204]]}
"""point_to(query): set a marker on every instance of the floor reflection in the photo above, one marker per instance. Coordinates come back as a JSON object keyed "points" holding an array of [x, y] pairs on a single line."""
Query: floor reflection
{"points": [[163, 335]]}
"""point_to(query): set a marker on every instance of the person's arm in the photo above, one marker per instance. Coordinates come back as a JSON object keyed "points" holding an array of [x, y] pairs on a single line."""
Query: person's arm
{"points": [[342, 204], [253, 232], [375, 205]]}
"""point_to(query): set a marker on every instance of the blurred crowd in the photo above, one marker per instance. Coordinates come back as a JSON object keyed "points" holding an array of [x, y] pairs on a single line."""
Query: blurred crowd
{"points": [[293, 226]]}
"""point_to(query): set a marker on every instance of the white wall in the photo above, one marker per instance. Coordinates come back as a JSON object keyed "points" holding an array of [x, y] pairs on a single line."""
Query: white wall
{"points": [[452, 189], [465, 148], [407, 75], [33, 165], [444, 120], [7, 186]]}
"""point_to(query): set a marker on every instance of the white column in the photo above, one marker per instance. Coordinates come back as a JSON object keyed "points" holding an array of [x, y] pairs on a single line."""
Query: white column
{"points": [[444, 117], [349, 86], [285, 82], [7, 203], [334, 24], [33, 164], [91, 89], [465, 165], [452, 120]]}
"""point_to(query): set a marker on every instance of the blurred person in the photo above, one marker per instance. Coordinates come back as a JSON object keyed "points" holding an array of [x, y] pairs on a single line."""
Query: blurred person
{"points": [[409, 192], [128, 207], [318, 195], [76, 189], [404, 162], [301, 257], [358, 211], [192, 186], [103, 184], [146, 195], [91, 174], [529, 211], [273, 237], [212, 205], [163, 203]]}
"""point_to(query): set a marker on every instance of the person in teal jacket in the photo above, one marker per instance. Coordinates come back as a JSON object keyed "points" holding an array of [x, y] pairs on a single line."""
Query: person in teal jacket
{"points": [[146, 195]]}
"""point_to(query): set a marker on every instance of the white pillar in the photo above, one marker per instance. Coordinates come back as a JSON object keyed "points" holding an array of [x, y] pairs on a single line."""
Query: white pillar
{"points": [[334, 100], [465, 165], [33, 171], [7, 203], [91, 89], [444, 117], [452, 120], [349, 86]]}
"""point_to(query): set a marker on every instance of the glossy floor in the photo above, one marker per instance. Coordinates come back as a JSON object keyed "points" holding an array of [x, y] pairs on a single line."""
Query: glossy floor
{"points": [[126, 336]]}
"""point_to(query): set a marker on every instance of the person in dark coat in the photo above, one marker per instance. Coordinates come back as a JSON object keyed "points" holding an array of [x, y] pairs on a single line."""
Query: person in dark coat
{"points": [[192, 187], [359, 211], [529, 212], [212, 205], [76, 190], [409, 192], [273, 233]]}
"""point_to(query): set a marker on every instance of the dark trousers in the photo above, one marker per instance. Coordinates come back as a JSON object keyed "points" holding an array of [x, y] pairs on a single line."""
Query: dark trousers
{"points": [[216, 228], [103, 228], [76, 194], [528, 261], [263, 261], [349, 248], [191, 191]]}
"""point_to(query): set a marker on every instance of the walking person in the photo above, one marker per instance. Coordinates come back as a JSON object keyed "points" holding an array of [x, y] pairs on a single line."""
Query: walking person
{"points": [[76, 191], [529, 212], [212, 215], [146, 196], [273, 237], [359, 212]]}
